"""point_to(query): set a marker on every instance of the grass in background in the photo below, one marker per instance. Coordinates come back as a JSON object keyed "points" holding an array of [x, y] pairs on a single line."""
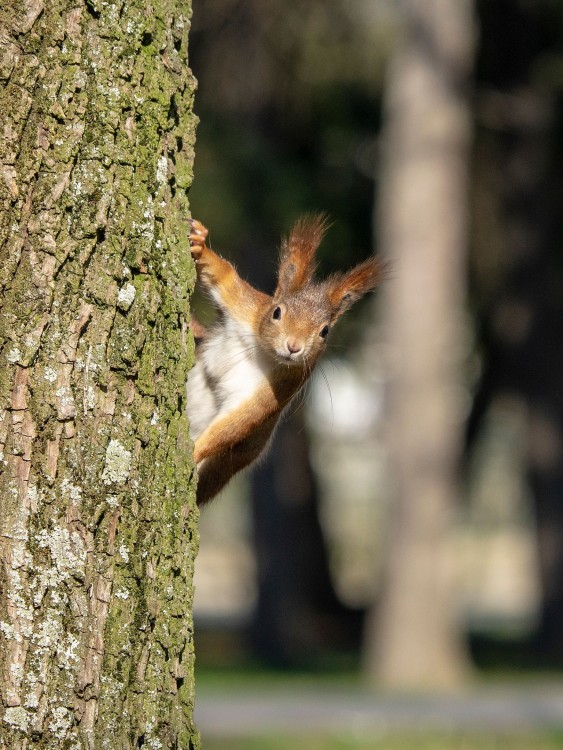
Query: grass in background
{"points": [[253, 675], [342, 674], [399, 741]]}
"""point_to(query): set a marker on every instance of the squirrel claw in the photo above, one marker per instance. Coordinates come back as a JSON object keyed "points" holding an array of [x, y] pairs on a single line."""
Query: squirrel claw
{"points": [[197, 237]]}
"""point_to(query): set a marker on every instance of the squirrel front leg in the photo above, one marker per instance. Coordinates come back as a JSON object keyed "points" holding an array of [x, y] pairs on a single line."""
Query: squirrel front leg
{"points": [[216, 471], [231, 293], [226, 458], [255, 416]]}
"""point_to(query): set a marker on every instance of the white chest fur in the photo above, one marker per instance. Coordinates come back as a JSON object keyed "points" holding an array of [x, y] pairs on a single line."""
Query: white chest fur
{"points": [[230, 367]]}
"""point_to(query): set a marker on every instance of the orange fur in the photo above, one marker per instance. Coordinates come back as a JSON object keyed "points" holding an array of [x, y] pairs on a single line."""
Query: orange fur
{"points": [[231, 430], [297, 256], [347, 288]]}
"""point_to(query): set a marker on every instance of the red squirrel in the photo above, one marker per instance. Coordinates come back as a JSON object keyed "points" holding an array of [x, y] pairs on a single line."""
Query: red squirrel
{"points": [[261, 350]]}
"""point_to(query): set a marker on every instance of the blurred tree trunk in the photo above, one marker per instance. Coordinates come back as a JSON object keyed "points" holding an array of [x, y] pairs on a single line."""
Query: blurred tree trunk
{"points": [[97, 517], [414, 639]]}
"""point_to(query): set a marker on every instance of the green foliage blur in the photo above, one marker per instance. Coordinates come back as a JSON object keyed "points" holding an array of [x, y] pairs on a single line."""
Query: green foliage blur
{"points": [[289, 101]]}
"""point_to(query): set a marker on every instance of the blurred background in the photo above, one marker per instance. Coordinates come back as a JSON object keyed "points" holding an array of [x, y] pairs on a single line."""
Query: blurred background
{"points": [[392, 574]]}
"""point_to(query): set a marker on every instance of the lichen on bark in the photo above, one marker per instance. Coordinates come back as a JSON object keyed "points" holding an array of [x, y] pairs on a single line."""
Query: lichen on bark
{"points": [[98, 526]]}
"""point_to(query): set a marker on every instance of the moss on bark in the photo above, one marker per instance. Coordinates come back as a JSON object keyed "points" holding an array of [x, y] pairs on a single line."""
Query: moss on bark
{"points": [[97, 514]]}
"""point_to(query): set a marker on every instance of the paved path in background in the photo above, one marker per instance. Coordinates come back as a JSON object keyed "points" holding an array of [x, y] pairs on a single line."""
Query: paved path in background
{"points": [[253, 711]]}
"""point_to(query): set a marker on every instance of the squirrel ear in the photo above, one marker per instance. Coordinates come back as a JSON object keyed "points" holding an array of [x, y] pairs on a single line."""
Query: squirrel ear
{"points": [[297, 256], [347, 288]]}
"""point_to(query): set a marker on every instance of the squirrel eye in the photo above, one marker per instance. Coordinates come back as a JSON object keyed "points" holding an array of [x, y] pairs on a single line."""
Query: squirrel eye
{"points": [[276, 315], [324, 332]]}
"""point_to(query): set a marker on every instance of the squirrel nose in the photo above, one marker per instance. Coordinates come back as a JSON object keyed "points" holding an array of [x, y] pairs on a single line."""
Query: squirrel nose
{"points": [[293, 346]]}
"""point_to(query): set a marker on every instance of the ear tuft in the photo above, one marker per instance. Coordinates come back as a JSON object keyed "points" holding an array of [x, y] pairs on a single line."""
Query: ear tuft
{"points": [[297, 256], [343, 290]]}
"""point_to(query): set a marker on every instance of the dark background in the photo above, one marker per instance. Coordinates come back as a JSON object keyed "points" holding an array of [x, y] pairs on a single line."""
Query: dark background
{"points": [[291, 106]]}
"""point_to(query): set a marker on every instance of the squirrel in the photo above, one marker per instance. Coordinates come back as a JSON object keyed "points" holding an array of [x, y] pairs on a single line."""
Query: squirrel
{"points": [[261, 350]]}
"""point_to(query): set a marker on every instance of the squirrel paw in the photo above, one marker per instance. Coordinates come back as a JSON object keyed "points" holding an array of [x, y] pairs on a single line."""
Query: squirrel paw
{"points": [[198, 237]]}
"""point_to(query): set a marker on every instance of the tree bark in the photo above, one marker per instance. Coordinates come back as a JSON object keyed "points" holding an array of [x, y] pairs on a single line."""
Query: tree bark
{"points": [[414, 639], [97, 516]]}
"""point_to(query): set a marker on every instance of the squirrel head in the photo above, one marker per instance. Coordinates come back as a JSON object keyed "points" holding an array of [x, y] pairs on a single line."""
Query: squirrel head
{"points": [[295, 326]]}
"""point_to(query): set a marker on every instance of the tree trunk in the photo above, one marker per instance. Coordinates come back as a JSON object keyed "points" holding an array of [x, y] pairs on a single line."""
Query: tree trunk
{"points": [[414, 641], [97, 517]]}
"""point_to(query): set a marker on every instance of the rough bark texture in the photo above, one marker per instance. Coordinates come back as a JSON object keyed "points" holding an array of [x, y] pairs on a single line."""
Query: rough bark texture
{"points": [[415, 641], [97, 517]]}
